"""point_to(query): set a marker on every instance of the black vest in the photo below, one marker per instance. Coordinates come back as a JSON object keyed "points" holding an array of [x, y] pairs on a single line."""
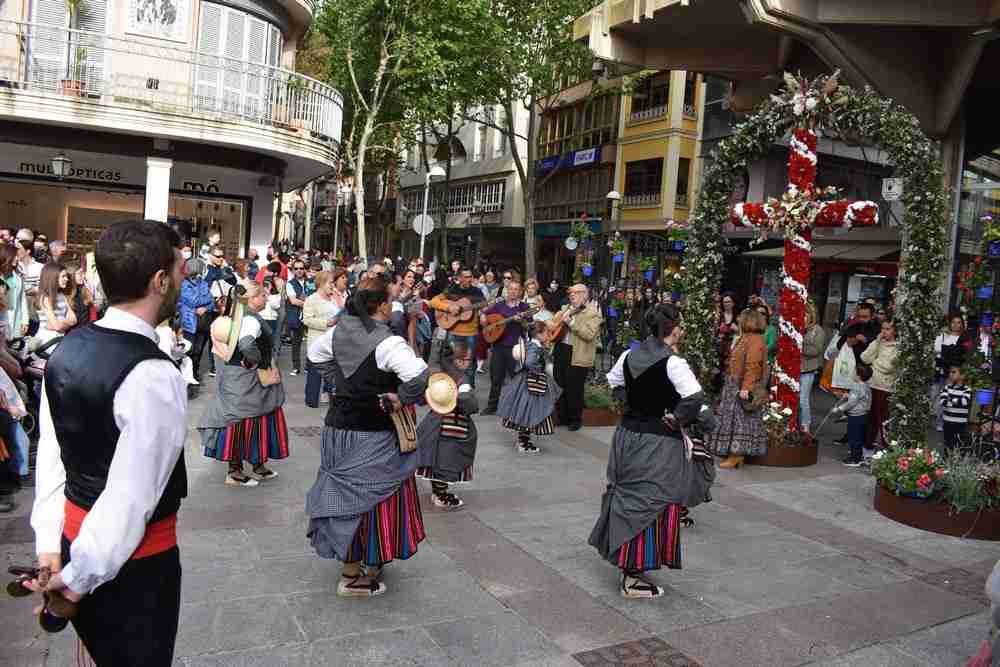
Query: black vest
{"points": [[81, 397], [293, 314], [650, 396], [265, 343], [355, 407]]}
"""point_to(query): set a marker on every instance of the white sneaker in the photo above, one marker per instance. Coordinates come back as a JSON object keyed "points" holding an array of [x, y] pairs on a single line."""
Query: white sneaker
{"points": [[248, 482], [639, 587], [293, 373]]}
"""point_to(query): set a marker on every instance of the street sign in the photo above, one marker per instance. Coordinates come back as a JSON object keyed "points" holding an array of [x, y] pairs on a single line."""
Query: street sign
{"points": [[892, 189], [423, 224]]}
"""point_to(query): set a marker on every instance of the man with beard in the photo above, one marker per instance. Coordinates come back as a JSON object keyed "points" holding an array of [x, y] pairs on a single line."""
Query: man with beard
{"points": [[110, 475]]}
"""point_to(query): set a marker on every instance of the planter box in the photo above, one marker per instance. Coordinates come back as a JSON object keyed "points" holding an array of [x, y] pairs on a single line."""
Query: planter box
{"points": [[937, 517], [600, 417], [72, 87], [786, 457]]}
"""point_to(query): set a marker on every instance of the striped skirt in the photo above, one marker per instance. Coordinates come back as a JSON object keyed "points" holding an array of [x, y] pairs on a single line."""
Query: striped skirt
{"points": [[253, 440], [391, 530], [544, 427], [658, 545]]}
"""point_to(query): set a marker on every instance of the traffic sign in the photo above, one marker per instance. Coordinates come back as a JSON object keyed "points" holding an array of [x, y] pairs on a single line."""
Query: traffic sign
{"points": [[892, 189], [423, 224]]}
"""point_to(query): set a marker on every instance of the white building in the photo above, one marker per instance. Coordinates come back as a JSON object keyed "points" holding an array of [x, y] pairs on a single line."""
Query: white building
{"points": [[482, 170], [166, 109]]}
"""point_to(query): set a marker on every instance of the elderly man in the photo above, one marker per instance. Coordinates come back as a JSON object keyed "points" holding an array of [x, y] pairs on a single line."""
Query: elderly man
{"points": [[56, 250], [575, 349]]}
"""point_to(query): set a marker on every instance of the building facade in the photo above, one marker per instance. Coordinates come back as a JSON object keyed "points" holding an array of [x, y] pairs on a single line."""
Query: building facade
{"points": [[182, 109], [478, 207]]}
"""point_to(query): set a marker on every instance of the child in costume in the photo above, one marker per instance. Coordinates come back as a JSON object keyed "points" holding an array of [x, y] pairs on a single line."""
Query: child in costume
{"points": [[447, 435], [529, 396]]}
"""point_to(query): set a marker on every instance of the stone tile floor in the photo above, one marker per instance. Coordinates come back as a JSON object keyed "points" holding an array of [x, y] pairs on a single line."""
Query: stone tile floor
{"points": [[785, 567]]}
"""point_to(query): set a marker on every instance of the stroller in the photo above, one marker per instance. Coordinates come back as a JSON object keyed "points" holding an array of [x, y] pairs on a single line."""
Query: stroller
{"points": [[32, 361]]}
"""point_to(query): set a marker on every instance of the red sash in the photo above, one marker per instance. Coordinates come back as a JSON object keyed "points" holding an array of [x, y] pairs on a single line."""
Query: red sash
{"points": [[160, 536]]}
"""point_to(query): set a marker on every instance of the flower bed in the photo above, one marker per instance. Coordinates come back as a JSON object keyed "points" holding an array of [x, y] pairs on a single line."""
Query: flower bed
{"points": [[786, 447], [952, 495], [599, 406]]}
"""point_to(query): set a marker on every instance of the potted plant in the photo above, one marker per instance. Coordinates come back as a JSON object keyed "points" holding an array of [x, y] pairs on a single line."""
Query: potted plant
{"points": [[647, 265], [600, 408], [991, 236], [786, 447], [627, 336], [76, 83], [581, 231], [296, 88], [616, 306], [976, 372], [673, 279], [677, 236], [587, 269], [955, 494], [617, 247], [975, 286]]}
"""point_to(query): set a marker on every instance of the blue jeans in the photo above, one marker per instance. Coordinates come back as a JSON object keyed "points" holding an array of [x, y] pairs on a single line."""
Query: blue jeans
{"points": [[856, 428], [22, 449], [470, 341], [314, 385], [805, 397]]}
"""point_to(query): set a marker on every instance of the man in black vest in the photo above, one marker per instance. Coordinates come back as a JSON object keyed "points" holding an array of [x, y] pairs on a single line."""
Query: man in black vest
{"points": [[296, 295], [110, 475]]}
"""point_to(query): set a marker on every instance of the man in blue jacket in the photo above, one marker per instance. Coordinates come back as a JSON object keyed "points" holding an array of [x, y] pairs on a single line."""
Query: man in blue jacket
{"points": [[195, 307]]}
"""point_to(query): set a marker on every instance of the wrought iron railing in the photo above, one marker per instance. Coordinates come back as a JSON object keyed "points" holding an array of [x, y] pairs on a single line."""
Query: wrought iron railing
{"points": [[133, 72], [648, 114]]}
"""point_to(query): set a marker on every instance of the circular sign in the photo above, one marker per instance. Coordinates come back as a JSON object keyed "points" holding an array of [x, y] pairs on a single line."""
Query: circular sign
{"points": [[423, 224], [572, 243]]}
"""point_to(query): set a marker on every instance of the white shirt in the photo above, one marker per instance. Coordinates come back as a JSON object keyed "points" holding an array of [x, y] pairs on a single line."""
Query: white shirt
{"points": [[678, 372], [150, 409], [391, 355], [270, 312], [31, 272]]}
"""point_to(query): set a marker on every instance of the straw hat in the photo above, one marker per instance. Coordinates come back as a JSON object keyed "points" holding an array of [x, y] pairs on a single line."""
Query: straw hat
{"points": [[441, 393]]}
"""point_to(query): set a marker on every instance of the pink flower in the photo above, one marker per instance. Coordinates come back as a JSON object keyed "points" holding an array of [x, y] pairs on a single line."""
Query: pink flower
{"points": [[904, 464], [924, 481], [939, 473]]}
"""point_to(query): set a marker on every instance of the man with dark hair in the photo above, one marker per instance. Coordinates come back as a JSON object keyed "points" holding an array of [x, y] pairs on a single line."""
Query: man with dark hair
{"points": [[468, 330], [111, 474]]}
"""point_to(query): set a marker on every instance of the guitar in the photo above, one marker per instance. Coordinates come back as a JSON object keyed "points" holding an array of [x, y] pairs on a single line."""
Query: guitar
{"points": [[466, 311], [496, 324], [557, 325]]}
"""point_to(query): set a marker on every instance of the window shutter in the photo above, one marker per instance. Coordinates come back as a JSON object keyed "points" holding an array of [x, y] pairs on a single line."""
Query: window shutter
{"points": [[207, 84], [234, 49], [47, 43], [93, 18], [256, 77]]}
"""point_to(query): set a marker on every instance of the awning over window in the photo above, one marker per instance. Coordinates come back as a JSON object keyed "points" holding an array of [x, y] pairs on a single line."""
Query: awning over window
{"points": [[860, 252]]}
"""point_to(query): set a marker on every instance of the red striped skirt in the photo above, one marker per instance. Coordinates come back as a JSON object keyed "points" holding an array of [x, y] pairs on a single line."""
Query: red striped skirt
{"points": [[254, 440], [658, 545], [391, 530]]}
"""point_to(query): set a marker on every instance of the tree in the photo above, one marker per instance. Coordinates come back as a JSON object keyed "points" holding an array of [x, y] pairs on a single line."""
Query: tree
{"points": [[377, 53], [528, 58]]}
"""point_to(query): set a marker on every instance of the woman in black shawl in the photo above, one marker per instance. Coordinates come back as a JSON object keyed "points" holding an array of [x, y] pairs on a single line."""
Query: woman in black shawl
{"points": [[653, 471]]}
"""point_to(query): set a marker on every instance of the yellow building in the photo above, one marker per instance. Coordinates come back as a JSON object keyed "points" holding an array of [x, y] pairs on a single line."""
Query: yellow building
{"points": [[657, 159]]}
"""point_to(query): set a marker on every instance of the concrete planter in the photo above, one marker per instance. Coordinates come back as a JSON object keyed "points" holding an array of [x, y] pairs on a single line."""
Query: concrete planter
{"points": [[786, 457], [937, 517], [600, 417]]}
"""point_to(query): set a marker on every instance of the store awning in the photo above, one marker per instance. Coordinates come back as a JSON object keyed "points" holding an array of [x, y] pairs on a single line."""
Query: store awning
{"points": [[860, 252]]}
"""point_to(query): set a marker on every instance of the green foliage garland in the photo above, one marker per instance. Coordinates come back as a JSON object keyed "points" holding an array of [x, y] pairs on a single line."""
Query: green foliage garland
{"points": [[855, 114]]}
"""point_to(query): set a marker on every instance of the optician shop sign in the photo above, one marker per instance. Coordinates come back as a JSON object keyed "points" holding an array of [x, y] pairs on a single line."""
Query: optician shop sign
{"points": [[82, 172]]}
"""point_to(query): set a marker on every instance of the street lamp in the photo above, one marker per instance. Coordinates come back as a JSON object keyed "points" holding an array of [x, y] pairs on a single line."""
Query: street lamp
{"points": [[61, 166], [477, 210], [343, 192], [435, 172], [614, 198]]}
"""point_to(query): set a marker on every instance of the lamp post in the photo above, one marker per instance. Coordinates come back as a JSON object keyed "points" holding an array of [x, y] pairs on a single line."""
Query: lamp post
{"points": [[614, 198], [343, 192], [477, 210], [61, 166], [435, 172]]}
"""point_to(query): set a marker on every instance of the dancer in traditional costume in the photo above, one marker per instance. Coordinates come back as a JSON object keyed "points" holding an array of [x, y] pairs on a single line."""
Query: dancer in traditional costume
{"points": [[447, 435], [363, 507], [245, 422], [111, 474], [653, 471], [529, 397]]}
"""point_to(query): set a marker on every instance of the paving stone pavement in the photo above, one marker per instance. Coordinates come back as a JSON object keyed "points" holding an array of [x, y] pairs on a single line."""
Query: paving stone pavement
{"points": [[785, 567]]}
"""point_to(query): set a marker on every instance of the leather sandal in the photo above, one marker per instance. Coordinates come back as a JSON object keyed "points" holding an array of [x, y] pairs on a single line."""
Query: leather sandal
{"points": [[360, 586], [638, 587]]}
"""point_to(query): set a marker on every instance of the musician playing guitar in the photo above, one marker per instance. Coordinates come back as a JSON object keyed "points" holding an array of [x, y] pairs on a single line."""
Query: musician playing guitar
{"points": [[463, 330], [502, 364], [575, 349]]}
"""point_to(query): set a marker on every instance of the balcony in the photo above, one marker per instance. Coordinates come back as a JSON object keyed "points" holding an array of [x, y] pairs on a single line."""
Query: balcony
{"points": [[74, 75], [646, 115], [648, 200]]}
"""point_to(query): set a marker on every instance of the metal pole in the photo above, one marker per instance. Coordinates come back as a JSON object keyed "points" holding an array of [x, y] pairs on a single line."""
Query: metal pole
{"points": [[427, 188], [336, 224]]}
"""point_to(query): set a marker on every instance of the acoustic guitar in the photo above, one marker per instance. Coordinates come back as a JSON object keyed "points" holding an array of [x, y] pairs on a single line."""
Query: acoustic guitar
{"points": [[557, 325], [466, 311], [496, 324]]}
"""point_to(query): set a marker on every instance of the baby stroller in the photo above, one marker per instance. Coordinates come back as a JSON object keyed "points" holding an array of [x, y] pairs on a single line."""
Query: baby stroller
{"points": [[32, 361]]}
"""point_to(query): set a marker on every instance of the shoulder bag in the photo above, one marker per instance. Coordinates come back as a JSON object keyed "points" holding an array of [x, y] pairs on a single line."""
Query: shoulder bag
{"points": [[758, 393]]}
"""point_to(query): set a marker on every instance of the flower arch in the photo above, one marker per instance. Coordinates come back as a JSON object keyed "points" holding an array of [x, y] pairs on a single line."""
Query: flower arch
{"points": [[840, 111]]}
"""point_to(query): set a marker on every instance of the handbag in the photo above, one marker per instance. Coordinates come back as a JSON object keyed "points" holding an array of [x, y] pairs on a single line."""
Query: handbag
{"points": [[538, 383], [758, 393], [405, 421]]}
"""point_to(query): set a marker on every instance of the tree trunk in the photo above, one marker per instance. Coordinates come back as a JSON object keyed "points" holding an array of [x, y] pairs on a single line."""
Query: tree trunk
{"points": [[359, 190], [528, 194]]}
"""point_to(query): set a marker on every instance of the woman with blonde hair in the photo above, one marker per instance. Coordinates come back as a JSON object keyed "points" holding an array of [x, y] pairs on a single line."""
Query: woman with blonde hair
{"points": [[245, 422], [739, 432], [813, 346]]}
